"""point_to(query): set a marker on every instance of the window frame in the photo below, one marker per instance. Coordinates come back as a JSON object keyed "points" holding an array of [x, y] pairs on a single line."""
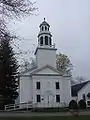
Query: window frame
{"points": [[57, 98], [38, 85], [38, 98], [57, 85]]}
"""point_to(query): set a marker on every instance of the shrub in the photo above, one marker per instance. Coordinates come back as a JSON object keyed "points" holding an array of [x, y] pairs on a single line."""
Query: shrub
{"points": [[73, 104], [82, 104]]}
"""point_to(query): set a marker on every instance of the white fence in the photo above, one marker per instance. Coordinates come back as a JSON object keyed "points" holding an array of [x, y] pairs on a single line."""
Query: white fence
{"points": [[18, 106], [27, 106]]}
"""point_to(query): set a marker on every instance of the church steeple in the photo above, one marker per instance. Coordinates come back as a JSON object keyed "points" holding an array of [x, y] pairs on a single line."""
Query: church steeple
{"points": [[45, 51], [44, 36]]}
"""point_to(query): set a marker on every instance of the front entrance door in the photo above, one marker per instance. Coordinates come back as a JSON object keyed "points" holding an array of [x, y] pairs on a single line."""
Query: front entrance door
{"points": [[49, 99]]}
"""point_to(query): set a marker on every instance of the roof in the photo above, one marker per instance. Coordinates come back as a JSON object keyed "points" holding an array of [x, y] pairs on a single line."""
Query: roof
{"points": [[44, 23], [76, 88], [40, 72]]}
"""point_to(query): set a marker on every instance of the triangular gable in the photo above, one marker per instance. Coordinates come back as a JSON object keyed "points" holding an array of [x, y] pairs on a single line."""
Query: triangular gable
{"points": [[47, 69]]}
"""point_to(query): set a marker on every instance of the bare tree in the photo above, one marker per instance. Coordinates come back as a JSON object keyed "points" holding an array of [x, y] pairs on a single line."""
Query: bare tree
{"points": [[10, 9], [80, 79], [16, 8], [63, 64]]}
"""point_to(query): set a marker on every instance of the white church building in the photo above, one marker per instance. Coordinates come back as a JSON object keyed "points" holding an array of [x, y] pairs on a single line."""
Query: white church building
{"points": [[43, 85]]}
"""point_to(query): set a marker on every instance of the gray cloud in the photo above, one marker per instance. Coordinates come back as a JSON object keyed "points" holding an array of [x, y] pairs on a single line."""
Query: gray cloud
{"points": [[70, 27]]}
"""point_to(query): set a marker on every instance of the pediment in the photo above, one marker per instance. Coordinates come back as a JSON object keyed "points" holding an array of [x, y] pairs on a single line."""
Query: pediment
{"points": [[47, 69]]}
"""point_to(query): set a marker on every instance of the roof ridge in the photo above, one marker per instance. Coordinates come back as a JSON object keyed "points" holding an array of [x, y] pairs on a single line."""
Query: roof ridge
{"points": [[45, 66], [81, 83]]}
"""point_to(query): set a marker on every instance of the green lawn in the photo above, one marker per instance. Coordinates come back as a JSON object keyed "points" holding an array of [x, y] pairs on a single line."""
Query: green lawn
{"points": [[49, 118]]}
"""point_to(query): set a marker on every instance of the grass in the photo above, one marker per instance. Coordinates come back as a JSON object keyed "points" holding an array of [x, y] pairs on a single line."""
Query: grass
{"points": [[50, 110], [49, 118]]}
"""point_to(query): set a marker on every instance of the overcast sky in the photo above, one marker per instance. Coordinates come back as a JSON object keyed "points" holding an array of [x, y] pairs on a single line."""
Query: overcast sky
{"points": [[70, 27]]}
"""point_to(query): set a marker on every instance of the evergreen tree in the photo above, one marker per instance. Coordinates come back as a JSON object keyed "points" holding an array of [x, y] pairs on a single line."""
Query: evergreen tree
{"points": [[8, 72]]}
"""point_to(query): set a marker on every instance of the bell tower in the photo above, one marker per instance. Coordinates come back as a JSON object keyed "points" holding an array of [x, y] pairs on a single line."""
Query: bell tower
{"points": [[45, 51], [44, 36]]}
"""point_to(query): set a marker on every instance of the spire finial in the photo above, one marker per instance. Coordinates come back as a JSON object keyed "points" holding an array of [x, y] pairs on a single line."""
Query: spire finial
{"points": [[44, 19]]}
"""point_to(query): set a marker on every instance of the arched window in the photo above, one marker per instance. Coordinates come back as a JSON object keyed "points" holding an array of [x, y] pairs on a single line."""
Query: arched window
{"points": [[45, 28], [41, 40], [42, 28], [46, 40]]}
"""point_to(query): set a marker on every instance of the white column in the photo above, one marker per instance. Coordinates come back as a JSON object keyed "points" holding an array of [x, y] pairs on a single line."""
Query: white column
{"points": [[43, 39]]}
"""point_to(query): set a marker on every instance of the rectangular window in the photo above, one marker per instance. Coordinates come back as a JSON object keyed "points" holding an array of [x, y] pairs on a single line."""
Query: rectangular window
{"points": [[38, 98], [57, 98], [38, 85], [57, 85]]}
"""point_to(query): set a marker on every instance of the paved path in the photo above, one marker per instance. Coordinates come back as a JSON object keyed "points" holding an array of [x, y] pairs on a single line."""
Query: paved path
{"points": [[29, 114]]}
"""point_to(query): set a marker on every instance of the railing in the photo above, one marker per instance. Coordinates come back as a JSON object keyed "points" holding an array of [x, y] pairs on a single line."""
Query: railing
{"points": [[18, 106], [43, 45], [29, 105]]}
